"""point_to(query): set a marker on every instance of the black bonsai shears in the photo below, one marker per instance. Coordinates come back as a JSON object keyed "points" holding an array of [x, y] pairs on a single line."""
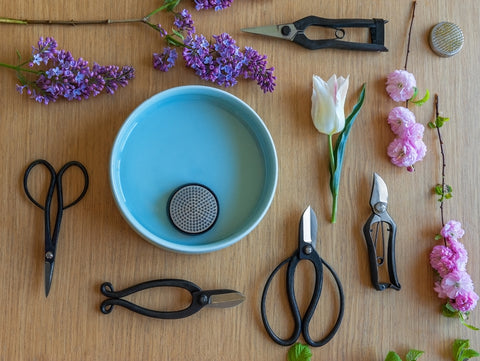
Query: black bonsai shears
{"points": [[306, 251], [296, 32], [220, 298]]}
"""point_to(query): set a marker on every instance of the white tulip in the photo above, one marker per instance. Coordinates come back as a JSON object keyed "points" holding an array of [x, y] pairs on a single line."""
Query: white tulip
{"points": [[328, 102]]}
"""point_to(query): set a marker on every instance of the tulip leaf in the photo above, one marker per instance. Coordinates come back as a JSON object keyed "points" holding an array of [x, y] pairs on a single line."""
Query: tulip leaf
{"points": [[340, 144]]}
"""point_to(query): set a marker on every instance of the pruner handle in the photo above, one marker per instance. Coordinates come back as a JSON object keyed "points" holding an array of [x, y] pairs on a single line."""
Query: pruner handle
{"points": [[376, 261]]}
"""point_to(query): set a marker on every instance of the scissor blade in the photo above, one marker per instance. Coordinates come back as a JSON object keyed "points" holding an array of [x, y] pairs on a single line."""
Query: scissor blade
{"points": [[309, 226], [283, 31], [379, 191], [225, 300], [48, 276]]}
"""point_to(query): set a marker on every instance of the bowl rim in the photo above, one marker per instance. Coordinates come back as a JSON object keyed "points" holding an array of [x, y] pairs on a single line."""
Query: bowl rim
{"points": [[269, 188]]}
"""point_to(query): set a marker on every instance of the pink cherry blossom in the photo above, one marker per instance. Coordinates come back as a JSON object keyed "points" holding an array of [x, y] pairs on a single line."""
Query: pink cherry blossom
{"points": [[414, 132], [452, 230], [456, 282], [465, 301], [400, 85], [400, 119], [438, 288], [442, 260], [402, 153]]}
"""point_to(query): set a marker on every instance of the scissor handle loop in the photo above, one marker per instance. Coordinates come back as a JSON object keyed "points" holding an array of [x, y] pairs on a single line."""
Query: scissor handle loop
{"points": [[55, 181], [199, 298], [302, 325], [294, 308]]}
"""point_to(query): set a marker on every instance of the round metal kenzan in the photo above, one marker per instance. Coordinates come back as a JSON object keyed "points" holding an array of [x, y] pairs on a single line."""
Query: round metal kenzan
{"points": [[193, 208]]}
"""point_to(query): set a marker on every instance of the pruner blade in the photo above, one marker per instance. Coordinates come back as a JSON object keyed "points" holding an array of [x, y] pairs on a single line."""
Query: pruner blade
{"points": [[379, 196]]}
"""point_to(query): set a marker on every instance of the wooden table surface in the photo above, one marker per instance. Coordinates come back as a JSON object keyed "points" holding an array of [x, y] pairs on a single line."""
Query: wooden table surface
{"points": [[96, 244]]}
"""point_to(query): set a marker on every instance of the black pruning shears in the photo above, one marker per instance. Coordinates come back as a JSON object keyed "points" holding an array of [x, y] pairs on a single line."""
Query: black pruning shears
{"points": [[374, 231], [296, 32]]}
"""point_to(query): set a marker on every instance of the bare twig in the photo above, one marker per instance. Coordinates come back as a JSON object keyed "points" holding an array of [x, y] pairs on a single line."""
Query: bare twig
{"points": [[414, 4], [444, 164]]}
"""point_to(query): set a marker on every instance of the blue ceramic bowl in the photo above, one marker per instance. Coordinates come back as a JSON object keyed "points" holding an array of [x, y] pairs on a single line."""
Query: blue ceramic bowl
{"points": [[193, 134]]}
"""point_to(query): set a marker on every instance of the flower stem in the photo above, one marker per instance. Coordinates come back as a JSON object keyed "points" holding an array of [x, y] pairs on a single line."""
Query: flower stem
{"points": [[332, 172], [19, 68], [67, 22]]}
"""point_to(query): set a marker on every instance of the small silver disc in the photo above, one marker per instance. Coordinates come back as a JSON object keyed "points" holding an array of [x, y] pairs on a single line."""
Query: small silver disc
{"points": [[446, 39], [193, 208]]}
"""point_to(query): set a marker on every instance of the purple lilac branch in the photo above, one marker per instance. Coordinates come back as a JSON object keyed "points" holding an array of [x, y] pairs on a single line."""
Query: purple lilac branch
{"points": [[219, 61], [59, 75]]}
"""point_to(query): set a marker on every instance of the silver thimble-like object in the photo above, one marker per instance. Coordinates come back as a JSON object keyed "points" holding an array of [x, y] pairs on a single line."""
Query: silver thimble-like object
{"points": [[446, 39]]}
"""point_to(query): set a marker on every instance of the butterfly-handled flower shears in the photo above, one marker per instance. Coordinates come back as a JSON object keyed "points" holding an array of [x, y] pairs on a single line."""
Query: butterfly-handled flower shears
{"points": [[374, 231], [296, 32], [51, 238], [306, 251]]}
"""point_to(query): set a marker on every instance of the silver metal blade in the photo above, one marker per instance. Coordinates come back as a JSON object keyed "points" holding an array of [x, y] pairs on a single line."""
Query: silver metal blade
{"points": [[282, 31], [225, 300], [309, 226], [380, 190], [48, 277]]}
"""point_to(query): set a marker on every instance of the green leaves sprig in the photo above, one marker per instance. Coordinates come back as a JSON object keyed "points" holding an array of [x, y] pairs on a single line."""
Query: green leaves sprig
{"points": [[299, 352], [412, 355], [461, 350]]}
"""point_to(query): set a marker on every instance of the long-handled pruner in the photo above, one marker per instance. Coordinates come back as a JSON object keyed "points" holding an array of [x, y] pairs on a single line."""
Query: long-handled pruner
{"points": [[296, 32], [374, 231]]}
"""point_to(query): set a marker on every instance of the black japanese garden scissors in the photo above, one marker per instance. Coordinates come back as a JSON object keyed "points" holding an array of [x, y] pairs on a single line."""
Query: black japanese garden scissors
{"points": [[306, 251], [296, 32], [51, 238]]}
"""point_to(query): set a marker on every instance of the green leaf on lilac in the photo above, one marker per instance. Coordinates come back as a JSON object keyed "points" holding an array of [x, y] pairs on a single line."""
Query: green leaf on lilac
{"points": [[179, 34], [438, 237], [413, 355], [431, 125], [299, 352], [173, 41], [392, 356]]}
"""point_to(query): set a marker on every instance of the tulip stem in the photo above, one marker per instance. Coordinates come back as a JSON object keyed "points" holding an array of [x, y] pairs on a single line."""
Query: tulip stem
{"points": [[333, 167]]}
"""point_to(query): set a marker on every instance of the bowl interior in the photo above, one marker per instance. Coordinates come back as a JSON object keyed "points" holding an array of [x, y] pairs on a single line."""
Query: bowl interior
{"points": [[193, 134]]}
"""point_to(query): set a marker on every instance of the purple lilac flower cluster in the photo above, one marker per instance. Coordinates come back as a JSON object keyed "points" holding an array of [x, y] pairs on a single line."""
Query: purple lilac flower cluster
{"points": [[220, 61], [68, 77], [408, 147], [212, 4], [450, 261]]}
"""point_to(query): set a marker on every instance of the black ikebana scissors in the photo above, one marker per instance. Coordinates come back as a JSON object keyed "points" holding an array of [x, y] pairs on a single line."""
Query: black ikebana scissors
{"points": [[296, 32], [200, 298], [377, 225], [306, 251], [51, 238]]}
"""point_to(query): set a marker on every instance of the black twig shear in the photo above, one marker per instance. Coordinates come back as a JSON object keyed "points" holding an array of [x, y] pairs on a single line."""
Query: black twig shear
{"points": [[296, 32], [374, 231]]}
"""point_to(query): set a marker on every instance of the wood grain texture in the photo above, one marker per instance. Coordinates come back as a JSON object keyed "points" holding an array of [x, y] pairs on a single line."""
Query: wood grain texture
{"points": [[97, 245]]}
